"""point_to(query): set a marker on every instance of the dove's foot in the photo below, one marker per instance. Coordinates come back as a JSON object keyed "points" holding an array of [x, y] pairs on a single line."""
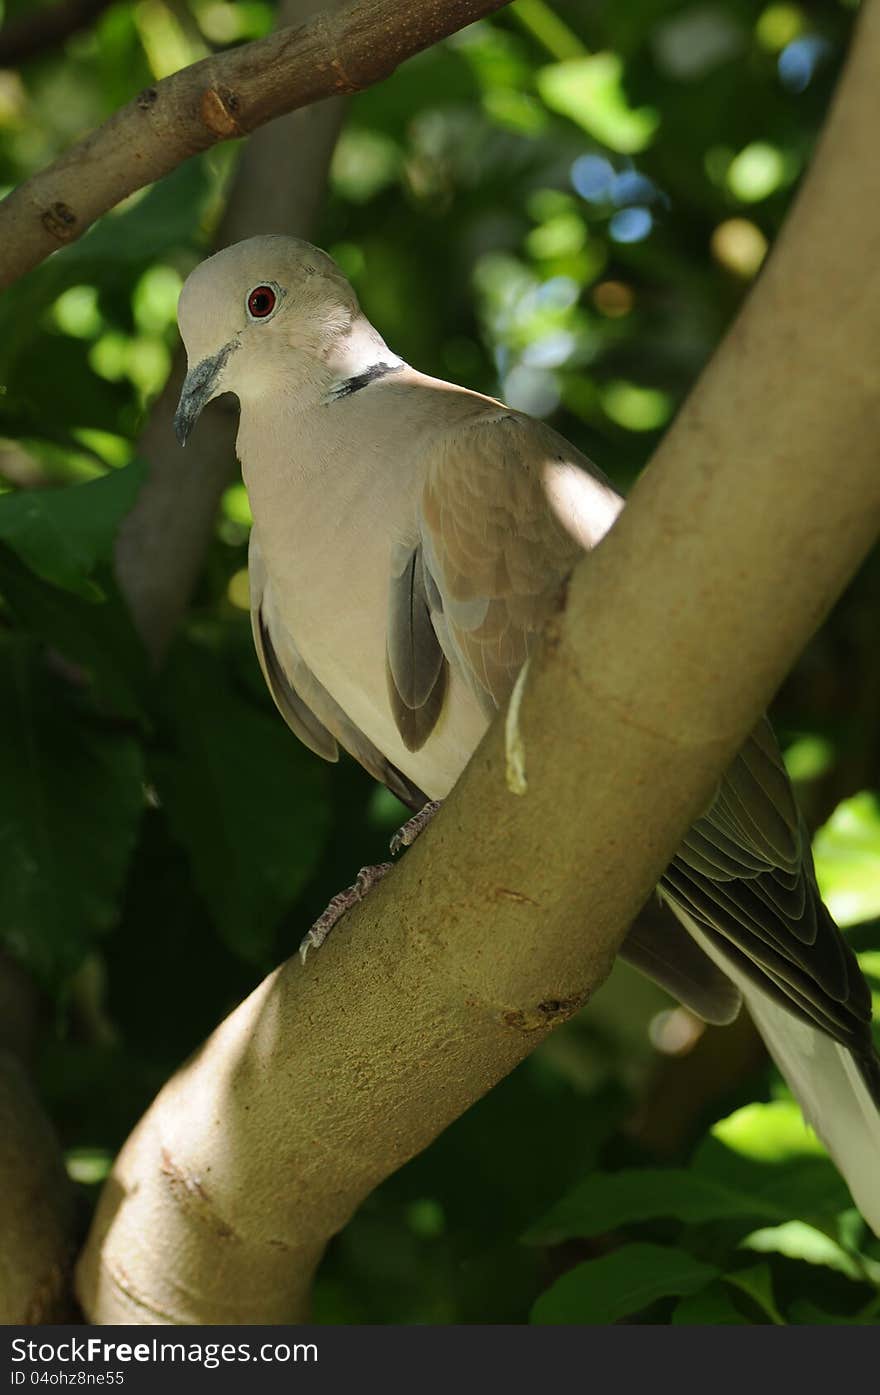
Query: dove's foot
{"points": [[407, 835], [343, 901]]}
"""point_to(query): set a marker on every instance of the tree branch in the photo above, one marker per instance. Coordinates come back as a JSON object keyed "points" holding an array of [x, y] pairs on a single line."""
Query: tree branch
{"points": [[36, 1211], [217, 99], [278, 187], [506, 914]]}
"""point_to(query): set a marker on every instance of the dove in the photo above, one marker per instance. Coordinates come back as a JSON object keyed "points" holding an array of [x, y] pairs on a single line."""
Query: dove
{"points": [[410, 539]]}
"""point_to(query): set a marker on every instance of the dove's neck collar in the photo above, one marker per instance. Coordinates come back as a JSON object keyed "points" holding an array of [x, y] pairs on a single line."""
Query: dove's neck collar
{"points": [[358, 358]]}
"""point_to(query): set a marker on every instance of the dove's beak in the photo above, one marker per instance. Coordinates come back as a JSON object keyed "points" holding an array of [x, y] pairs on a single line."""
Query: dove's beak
{"points": [[201, 383]]}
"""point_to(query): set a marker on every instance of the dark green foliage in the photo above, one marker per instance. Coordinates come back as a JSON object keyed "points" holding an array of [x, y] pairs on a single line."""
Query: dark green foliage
{"points": [[63, 534], [564, 207], [619, 1284], [72, 797], [248, 804]]}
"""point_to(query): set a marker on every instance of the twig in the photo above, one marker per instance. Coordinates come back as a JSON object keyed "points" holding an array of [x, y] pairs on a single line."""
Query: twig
{"points": [[214, 100]]}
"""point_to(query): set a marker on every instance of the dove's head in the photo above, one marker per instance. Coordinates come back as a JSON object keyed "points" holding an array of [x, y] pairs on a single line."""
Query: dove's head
{"points": [[245, 312]]}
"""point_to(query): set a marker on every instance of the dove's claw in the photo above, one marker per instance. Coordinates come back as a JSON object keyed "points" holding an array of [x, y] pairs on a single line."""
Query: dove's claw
{"points": [[407, 835], [343, 901], [366, 878]]}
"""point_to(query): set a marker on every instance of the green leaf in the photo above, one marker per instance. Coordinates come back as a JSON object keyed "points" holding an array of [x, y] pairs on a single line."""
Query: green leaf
{"points": [[798, 1240], [757, 1282], [620, 1284], [806, 1313], [847, 855], [243, 797], [712, 1306], [62, 534], [99, 639], [161, 219], [70, 802], [605, 1200], [590, 91], [767, 1151]]}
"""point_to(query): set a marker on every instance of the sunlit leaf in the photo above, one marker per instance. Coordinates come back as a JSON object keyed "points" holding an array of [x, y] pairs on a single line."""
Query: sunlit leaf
{"points": [[767, 1151], [797, 1240], [847, 855], [591, 92]]}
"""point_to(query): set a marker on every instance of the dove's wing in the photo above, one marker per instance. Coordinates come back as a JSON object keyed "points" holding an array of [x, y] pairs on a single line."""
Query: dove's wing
{"points": [[304, 703], [507, 509], [744, 873]]}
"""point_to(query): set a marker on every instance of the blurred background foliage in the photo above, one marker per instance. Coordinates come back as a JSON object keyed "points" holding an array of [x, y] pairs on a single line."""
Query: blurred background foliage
{"points": [[563, 206]]}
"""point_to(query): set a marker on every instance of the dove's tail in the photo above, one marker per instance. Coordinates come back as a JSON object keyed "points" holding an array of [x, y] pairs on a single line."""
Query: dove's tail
{"points": [[838, 1093]]}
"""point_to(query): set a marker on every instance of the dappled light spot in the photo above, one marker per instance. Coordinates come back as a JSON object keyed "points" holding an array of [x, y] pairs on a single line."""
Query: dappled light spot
{"points": [[558, 237], [238, 589], [154, 299], [636, 408], [364, 162], [847, 855], [614, 299], [739, 246], [675, 1032], [426, 1218], [809, 757], [592, 177], [631, 225], [551, 351], [225, 23], [76, 312], [687, 46], [799, 60], [88, 1166], [531, 390], [778, 25], [756, 172]]}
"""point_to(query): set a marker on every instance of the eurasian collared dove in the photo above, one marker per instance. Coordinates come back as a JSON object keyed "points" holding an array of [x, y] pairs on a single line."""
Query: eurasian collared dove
{"points": [[410, 539]]}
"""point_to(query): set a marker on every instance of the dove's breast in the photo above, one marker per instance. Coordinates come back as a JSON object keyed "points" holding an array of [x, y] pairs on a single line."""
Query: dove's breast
{"points": [[329, 505]]}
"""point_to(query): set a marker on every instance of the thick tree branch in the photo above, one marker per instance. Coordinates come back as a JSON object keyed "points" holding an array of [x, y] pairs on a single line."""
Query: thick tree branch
{"points": [[217, 99], [505, 916], [279, 187], [36, 1211]]}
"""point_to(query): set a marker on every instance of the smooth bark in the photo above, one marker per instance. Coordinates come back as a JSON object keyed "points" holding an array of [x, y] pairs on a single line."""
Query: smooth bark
{"points": [[36, 1210]]}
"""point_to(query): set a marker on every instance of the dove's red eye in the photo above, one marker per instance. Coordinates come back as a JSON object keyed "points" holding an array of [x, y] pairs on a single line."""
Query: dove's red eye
{"points": [[261, 302]]}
